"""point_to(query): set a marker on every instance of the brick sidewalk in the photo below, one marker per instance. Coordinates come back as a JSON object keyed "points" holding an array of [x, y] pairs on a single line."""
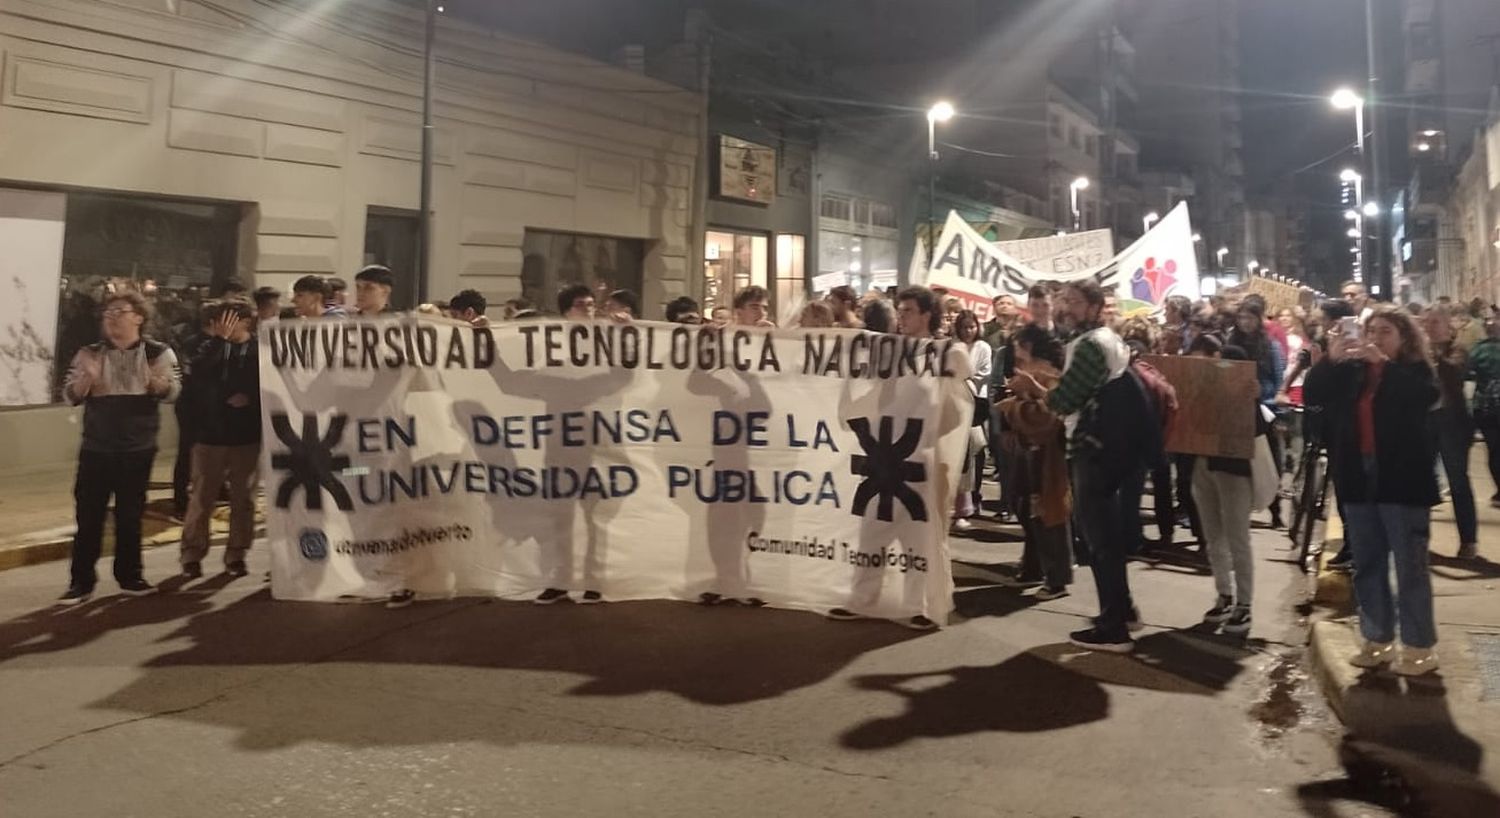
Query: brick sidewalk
{"points": [[1452, 717]]}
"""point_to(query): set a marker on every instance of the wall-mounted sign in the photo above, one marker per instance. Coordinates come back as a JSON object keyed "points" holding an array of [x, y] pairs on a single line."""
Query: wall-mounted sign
{"points": [[747, 171]]}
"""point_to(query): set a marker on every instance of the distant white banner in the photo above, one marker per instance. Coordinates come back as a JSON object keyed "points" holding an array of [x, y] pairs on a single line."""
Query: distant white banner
{"points": [[1159, 264], [810, 470], [1069, 253]]}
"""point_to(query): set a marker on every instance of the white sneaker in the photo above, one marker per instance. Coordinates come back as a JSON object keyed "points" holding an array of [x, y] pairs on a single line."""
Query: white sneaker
{"points": [[1416, 662], [962, 524], [1374, 654]]}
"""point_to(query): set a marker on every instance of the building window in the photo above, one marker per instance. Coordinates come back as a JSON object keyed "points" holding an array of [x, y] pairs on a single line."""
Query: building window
{"points": [[551, 261], [1073, 136], [1089, 143], [862, 212], [177, 253], [840, 208], [791, 275], [732, 262], [1055, 125], [883, 215]]}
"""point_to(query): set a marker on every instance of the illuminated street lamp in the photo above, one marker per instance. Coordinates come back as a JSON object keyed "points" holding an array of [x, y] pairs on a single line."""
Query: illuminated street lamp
{"points": [[1371, 209], [940, 112], [1079, 184]]}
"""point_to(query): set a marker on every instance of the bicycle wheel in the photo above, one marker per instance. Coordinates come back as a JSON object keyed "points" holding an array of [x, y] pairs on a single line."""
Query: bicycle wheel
{"points": [[1313, 486]]}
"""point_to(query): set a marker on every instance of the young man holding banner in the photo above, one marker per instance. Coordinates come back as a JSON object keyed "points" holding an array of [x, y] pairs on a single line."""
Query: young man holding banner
{"points": [[1109, 426]]}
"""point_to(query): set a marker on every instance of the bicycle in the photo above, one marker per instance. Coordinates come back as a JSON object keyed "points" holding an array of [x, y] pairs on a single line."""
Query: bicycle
{"points": [[1308, 491]]}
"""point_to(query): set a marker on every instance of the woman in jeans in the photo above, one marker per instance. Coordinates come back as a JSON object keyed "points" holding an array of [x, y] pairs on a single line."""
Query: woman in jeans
{"points": [[1378, 395], [1450, 426]]}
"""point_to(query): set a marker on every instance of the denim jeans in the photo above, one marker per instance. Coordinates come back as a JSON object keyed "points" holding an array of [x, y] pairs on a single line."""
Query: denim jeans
{"points": [[1378, 533], [1454, 435], [1097, 510]]}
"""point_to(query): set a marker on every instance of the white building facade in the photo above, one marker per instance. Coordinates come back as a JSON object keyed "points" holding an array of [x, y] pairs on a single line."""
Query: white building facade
{"points": [[186, 144]]}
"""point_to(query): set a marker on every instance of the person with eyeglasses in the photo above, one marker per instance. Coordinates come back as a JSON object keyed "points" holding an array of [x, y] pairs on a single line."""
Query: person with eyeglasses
{"points": [[120, 380]]}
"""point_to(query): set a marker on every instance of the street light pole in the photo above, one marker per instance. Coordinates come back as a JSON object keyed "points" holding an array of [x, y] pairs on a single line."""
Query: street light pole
{"points": [[1372, 98], [1079, 184], [941, 112], [424, 229]]}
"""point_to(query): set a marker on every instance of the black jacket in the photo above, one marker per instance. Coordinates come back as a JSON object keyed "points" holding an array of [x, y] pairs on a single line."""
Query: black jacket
{"points": [[220, 371], [1404, 455]]}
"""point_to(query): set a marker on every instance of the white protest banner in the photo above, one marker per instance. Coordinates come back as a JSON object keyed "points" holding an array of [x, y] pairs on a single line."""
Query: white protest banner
{"points": [[808, 469], [1159, 264], [1062, 255]]}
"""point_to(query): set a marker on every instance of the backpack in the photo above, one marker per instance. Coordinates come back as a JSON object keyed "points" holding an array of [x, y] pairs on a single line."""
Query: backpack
{"points": [[1162, 394], [1123, 428]]}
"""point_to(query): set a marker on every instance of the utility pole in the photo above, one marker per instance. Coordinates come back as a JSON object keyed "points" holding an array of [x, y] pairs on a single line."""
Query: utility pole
{"points": [[1376, 191], [424, 229]]}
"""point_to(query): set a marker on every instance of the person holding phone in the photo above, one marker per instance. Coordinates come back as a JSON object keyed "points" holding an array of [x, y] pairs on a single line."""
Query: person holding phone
{"points": [[1380, 386]]}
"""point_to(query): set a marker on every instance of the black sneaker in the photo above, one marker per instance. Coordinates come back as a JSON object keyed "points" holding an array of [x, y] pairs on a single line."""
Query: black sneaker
{"points": [[590, 598], [752, 602], [1221, 610], [710, 598], [920, 623], [236, 569], [137, 587], [1092, 639], [75, 594], [399, 599], [192, 570], [1239, 620], [843, 615], [550, 596]]}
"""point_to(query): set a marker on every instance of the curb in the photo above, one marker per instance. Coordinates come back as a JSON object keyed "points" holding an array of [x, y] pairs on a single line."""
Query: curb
{"points": [[1330, 644], [60, 547]]}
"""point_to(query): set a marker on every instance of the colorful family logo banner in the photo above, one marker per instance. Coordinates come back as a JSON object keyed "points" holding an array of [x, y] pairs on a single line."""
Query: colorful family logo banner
{"points": [[805, 469], [1161, 263]]}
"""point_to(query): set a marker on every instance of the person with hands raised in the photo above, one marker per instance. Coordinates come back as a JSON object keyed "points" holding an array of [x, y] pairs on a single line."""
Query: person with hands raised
{"points": [[227, 404], [120, 380], [1380, 388]]}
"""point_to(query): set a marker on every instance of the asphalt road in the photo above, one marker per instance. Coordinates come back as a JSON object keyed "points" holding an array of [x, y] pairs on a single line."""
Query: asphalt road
{"points": [[214, 699]]}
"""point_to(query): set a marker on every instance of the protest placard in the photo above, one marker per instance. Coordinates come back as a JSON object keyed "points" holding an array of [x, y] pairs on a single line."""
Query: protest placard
{"points": [[1216, 405]]}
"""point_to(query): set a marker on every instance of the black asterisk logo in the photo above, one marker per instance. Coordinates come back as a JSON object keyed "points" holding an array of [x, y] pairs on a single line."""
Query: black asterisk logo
{"points": [[311, 461], [887, 472]]}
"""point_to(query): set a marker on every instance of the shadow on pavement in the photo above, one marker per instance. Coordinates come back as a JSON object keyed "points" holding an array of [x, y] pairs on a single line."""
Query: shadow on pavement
{"points": [[1024, 694], [1463, 570], [718, 656], [1046, 688], [59, 628], [1404, 752]]}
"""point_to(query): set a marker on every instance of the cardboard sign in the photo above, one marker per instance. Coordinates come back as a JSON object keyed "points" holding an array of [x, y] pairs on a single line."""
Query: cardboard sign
{"points": [[1216, 405]]}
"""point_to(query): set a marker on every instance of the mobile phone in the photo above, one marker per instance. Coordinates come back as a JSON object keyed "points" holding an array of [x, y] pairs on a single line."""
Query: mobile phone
{"points": [[1349, 328]]}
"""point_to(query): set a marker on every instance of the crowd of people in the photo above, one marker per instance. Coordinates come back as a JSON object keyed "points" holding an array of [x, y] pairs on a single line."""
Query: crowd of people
{"points": [[1068, 420]]}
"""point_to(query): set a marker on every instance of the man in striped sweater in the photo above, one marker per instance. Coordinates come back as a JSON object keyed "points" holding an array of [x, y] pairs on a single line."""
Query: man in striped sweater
{"points": [[120, 381], [1105, 412]]}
